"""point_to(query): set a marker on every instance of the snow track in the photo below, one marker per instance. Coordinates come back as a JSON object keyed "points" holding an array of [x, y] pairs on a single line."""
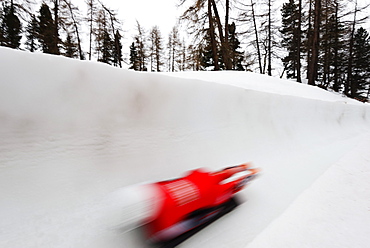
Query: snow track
{"points": [[71, 132]]}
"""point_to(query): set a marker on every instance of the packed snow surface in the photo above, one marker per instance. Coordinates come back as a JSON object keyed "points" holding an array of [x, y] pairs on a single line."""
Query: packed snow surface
{"points": [[71, 132]]}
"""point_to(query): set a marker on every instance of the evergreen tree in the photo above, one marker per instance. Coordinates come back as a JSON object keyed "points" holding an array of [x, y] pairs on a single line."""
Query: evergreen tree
{"points": [[107, 49], [207, 56], [113, 31], [46, 31], [361, 65], [31, 34], [58, 21], [117, 51], [290, 32], [313, 58], [332, 57], [338, 49], [182, 57], [70, 47], [11, 27], [1, 26], [194, 58], [236, 56], [134, 58], [350, 88]]}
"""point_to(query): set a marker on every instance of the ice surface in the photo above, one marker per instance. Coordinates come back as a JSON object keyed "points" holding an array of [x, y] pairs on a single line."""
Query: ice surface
{"points": [[71, 132]]}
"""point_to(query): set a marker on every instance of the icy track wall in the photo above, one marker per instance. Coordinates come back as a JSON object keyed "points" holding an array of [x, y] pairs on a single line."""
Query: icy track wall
{"points": [[72, 131]]}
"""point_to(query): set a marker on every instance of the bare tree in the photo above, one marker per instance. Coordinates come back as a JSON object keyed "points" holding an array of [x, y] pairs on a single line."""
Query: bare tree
{"points": [[23, 8], [115, 23], [156, 48], [74, 21], [198, 15], [174, 46], [213, 37], [225, 49], [140, 40], [249, 17], [91, 12]]}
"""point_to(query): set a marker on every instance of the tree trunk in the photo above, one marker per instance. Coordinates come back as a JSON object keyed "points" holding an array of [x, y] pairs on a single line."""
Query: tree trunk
{"points": [[326, 56], [315, 44], [173, 56], [91, 26], [224, 47], [309, 40], [336, 48], [269, 41], [350, 84], [56, 24], [256, 34], [227, 46], [213, 37], [299, 40], [76, 29]]}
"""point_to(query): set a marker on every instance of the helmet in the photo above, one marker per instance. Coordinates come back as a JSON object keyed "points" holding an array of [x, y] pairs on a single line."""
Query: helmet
{"points": [[132, 206]]}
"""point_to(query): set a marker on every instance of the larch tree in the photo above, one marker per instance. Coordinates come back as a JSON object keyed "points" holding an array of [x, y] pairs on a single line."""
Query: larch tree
{"points": [[174, 47], [193, 57], [248, 17], [141, 47], [91, 17], [114, 28], [156, 47], [73, 23], [200, 15]]}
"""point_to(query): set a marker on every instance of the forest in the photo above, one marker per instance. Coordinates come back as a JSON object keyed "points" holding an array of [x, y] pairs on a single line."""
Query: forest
{"points": [[323, 43]]}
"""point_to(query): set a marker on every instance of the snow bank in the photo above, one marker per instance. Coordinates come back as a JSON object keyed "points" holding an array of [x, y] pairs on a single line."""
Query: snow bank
{"points": [[72, 131], [333, 212], [259, 82]]}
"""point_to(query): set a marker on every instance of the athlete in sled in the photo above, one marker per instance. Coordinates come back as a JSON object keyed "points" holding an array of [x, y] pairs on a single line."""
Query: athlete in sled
{"points": [[173, 208]]}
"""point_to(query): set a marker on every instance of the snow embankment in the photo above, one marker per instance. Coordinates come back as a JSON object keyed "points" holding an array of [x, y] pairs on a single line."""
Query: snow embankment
{"points": [[72, 131], [333, 212]]}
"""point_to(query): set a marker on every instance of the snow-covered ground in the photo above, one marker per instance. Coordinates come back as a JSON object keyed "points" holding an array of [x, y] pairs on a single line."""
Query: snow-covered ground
{"points": [[71, 132]]}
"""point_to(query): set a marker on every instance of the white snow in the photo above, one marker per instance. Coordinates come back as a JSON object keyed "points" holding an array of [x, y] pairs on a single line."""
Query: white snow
{"points": [[333, 212], [71, 132]]}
